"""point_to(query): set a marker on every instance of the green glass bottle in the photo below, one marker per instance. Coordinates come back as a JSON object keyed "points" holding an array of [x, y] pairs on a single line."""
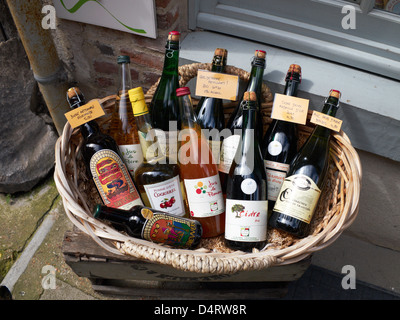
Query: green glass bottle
{"points": [[279, 145], [164, 107], [210, 113], [300, 192], [152, 225], [246, 192]]}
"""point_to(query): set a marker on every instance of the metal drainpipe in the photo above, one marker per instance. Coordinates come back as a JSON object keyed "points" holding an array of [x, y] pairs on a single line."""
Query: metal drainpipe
{"points": [[46, 66]]}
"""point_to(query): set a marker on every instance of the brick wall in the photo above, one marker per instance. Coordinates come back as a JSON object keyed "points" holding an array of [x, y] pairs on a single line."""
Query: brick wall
{"points": [[89, 52]]}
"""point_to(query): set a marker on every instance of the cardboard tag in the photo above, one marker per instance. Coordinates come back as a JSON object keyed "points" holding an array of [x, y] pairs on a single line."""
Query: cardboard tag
{"points": [[326, 121], [289, 108], [85, 113], [217, 85]]}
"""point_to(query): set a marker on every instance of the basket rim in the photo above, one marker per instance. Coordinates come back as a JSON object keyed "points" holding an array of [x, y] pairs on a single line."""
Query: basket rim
{"points": [[198, 260]]}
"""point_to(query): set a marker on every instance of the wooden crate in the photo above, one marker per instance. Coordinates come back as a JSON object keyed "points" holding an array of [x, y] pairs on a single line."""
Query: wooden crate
{"points": [[126, 275]]}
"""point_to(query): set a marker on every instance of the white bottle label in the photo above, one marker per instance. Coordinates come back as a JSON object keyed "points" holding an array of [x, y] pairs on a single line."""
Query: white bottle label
{"points": [[276, 174], [166, 196], [246, 220], [132, 156], [205, 196], [248, 186], [228, 152], [274, 148]]}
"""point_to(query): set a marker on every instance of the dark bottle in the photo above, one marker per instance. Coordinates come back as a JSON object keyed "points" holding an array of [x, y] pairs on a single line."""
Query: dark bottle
{"points": [[210, 110], [246, 192], [300, 192], [279, 145], [235, 122], [103, 162], [152, 225], [164, 105]]}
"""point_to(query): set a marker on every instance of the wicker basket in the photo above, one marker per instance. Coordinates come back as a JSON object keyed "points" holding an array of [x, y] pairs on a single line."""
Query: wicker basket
{"points": [[336, 210]]}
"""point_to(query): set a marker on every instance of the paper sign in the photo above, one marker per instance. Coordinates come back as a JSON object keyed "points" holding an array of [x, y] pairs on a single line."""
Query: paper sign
{"points": [[326, 121], [289, 108], [85, 113], [217, 85]]}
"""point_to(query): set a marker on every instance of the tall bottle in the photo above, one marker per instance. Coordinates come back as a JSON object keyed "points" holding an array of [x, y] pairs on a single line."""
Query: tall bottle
{"points": [[199, 171], [157, 179], [123, 126], [235, 122], [103, 162], [210, 110], [246, 193], [279, 145], [153, 225], [164, 106], [300, 192]]}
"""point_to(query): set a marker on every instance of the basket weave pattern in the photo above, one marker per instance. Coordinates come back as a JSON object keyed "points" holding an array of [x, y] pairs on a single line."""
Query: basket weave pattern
{"points": [[336, 210]]}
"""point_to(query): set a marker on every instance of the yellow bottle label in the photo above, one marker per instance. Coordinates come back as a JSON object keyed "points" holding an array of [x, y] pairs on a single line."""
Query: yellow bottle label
{"points": [[298, 197]]}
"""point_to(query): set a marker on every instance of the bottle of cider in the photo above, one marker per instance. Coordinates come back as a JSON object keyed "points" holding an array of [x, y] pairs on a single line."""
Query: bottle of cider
{"points": [[164, 106], [246, 192], [152, 225], [123, 126], [210, 110], [199, 171], [157, 179], [235, 122], [103, 162], [280, 142], [300, 192]]}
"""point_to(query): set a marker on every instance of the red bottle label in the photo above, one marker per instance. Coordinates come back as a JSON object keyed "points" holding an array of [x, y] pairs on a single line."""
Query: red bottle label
{"points": [[113, 180]]}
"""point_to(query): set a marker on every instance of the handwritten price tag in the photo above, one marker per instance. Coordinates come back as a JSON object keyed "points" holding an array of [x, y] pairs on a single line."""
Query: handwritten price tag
{"points": [[85, 113], [217, 85], [326, 121], [291, 109]]}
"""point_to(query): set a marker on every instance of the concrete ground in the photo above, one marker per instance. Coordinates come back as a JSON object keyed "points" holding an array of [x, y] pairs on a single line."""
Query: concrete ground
{"points": [[31, 235]]}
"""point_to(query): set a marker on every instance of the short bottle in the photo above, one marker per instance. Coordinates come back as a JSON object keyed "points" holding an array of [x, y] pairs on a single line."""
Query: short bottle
{"points": [[246, 193], [152, 225], [210, 113], [199, 171], [279, 145], [301, 190], [157, 179], [123, 126], [164, 106], [103, 162]]}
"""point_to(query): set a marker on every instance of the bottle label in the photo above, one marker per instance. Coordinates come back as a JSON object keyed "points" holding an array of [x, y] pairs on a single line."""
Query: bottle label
{"points": [[276, 174], [113, 181], [168, 142], [246, 220], [167, 229], [274, 148], [215, 148], [166, 196], [205, 196], [248, 186], [298, 197], [228, 152], [132, 156]]}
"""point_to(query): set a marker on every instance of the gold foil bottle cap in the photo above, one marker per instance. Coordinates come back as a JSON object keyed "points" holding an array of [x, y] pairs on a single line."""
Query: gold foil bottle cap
{"points": [[295, 68], [174, 35], [221, 52], [335, 93], [260, 54], [250, 96], [73, 92]]}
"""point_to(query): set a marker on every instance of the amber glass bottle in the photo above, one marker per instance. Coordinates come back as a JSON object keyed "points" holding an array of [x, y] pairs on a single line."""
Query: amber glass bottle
{"points": [[157, 179], [123, 126], [103, 162], [199, 171]]}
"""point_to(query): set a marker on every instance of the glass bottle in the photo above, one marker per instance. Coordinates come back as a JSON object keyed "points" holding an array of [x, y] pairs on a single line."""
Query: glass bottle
{"points": [[300, 192], [210, 110], [152, 225], [235, 122], [279, 145], [199, 171], [246, 193], [164, 106], [157, 179], [123, 126], [103, 162]]}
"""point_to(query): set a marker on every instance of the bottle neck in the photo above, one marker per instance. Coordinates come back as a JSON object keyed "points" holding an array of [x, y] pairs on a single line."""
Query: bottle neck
{"points": [[256, 78], [249, 144], [89, 128], [188, 116], [330, 108], [291, 87], [113, 215], [218, 64], [171, 59]]}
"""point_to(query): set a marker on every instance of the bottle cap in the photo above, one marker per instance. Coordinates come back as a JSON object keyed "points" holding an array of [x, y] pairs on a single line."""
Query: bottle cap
{"points": [[136, 94], [335, 93], [74, 96], [221, 52], [138, 108], [123, 59], [260, 54], [293, 68], [97, 210], [182, 91], [174, 35], [250, 96]]}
